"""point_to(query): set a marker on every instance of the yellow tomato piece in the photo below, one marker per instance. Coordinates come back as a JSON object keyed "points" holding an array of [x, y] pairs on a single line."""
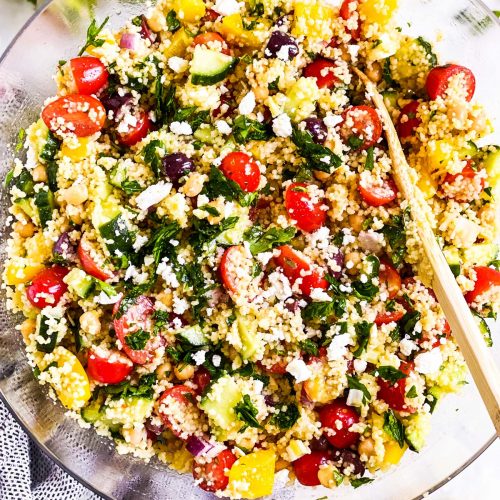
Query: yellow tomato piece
{"points": [[21, 270], [189, 10], [232, 29], [179, 42], [313, 19], [439, 154], [393, 453], [38, 248], [316, 387], [301, 98], [377, 11], [252, 476], [71, 384], [427, 185], [78, 151]]}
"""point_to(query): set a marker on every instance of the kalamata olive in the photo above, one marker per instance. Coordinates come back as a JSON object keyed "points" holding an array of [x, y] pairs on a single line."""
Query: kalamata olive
{"points": [[155, 428], [292, 305], [63, 250], [116, 105], [319, 444], [176, 166], [282, 46], [284, 20], [338, 258], [317, 128], [145, 32], [349, 462]]}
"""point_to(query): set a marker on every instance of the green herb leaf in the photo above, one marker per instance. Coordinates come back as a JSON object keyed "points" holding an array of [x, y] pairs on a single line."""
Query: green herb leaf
{"points": [[143, 389], [50, 148], [355, 142], [309, 347], [245, 129], [363, 335], [286, 419], [407, 325], [273, 86], [21, 136], [390, 373], [324, 310], [396, 237], [137, 340], [92, 33], [318, 157], [412, 393], [370, 159], [204, 233], [365, 291], [356, 483], [263, 241], [152, 156], [159, 243], [431, 56], [131, 187], [173, 24], [166, 105], [192, 116], [386, 74], [354, 383], [246, 412], [394, 428]]}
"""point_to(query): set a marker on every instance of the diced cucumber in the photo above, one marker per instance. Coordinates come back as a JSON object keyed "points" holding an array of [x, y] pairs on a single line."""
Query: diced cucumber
{"points": [[45, 202], [210, 66], [79, 282], [492, 162], [390, 99], [26, 207], [247, 331], [104, 211], [48, 336], [51, 169], [194, 335], [469, 150], [234, 235], [204, 134], [92, 412], [452, 255], [480, 254], [118, 175], [117, 236], [483, 328], [24, 182], [220, 401]]}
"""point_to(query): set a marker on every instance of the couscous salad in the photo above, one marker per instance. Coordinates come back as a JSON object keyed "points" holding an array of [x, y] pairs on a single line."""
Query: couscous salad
{"points": [[214, 263]]}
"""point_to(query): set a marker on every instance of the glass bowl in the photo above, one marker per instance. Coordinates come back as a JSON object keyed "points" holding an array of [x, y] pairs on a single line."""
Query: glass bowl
{"points": [[465, 31]]}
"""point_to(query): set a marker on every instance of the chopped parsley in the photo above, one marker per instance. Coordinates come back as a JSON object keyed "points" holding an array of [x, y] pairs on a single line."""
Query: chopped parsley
{"points": [[355, 142], [245, 129], [394, 428], [412, 393], [354, 383], [370, 159], [137, 340], [166, 105], [93, 32], [173, 24], [192, 116], [363, 333], [390, 373], [159, 244], [131, 187], [408, 323], [286, 419], [309, 347], [395, 235], [246, 412], [152, 156], [357, 482], [263, 241], [324, 310], [204, 233]]}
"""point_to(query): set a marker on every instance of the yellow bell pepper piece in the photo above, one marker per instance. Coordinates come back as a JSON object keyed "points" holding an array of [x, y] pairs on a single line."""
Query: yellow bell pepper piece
{"points": [[21, 271], [301, 99], [393, 453], [427, 185], [38, 247], [78, 151], [72, 385], [232, 29], [313, 19], [179, 42], [189, 10], [252, 476], [377, 11]]}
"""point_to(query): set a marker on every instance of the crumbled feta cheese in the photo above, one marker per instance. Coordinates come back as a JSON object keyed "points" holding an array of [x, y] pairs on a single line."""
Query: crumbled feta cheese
{"points": [[104, 299], [264, 257], [181, 128], [284, 52], [355, 397], [282, 126], [319, 295], [139, 242], [428, 362], [199, 357], [223, 127], [406, 346], [331, 121], [227, 7], [299, 370], [180, 306], [338, 347], [360, 365], [247, 104], [153, 194], [216, 360], [371, 241], [177, 64], [167, 273]]}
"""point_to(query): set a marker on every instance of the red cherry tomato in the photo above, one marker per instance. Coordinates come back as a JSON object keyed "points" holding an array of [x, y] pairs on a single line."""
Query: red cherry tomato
{"points": [[210, 37], [361, 127], [438, 80], [47, 287], [295, 266], [210, 15], [306, 468], [137, 132], [468, 174], [171, 415], [319, 358], [394, 394], [388, 317], [306, 214], [240, 168], [408, 120], [322, 70], [233, 260], [137, 316], [377, 196], [89, 74], [330, 416], [279, 368], [201, 379], [82, 115], [389, 275], [111, 369], [214, 474], [486, 278], [89, 266], [348, 10]]}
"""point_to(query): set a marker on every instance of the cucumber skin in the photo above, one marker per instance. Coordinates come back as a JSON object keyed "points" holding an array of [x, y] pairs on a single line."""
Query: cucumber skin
{"points": [[43, 332], [44, 200], [197, 79], [122, 239]]}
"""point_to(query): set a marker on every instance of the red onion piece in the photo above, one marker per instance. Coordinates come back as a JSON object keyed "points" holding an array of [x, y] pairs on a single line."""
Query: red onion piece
{"points": [[129, 41], [64, 249], [198, 446], [146, 33]]}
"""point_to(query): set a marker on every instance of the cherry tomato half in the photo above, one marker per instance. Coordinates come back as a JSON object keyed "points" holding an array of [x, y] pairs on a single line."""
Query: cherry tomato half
{"points": [[322, 70], [467, 175], [408, 120], [201, 379], [388, 317], [306, 468], [210, 38], [89, 74], [89, 266], [394, 393], [171, 415], [390, 276], [361, 127], [438, 80], [336, 418], [295, 266], [137, 130], [111, 369], [486, 278], [307, 214], [137, 316], [348, 10], [47, 287], [233, 261], [240, 168], [278, 368], [377, 196], [82, 115], [214, 474]]}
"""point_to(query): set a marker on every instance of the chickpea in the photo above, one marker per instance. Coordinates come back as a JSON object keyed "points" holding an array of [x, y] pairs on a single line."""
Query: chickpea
{"points": [[28, 326], [134, 435], [165, 371], [194, 184], [166, 298], [281, 464], [183, 371], [374, 72], [326, 477], [39, 174], [76, 194], [321, 176], [90, 323], [261, 93], [356, 222], [355, 258], [24, 229], [367, 447]]}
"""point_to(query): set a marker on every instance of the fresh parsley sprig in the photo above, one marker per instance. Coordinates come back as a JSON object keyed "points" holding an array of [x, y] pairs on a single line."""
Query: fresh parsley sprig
{"points": [[93, 32]]}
